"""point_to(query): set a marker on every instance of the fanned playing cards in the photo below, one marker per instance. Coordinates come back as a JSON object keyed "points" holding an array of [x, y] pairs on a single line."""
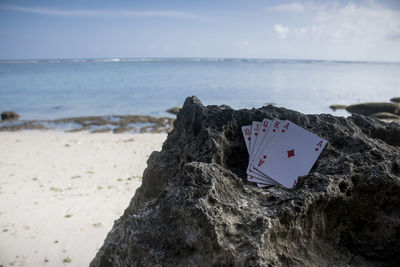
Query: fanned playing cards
{"points": [[280, 152]]}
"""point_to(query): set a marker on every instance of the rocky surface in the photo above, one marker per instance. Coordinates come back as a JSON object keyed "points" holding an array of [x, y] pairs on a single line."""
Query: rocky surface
{"points": [[195, 207], [96, 124], [9, 115]]}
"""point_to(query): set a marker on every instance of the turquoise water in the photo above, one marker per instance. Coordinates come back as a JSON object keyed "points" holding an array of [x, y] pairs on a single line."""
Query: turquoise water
{"points": [[66, 88]]}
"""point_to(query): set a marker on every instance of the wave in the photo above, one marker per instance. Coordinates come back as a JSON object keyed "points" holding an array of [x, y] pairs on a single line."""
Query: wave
{"points": [[245, 60]]}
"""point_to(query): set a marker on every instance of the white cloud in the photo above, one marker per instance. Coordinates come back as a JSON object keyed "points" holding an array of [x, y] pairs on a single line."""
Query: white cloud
{"points": [[350, 24], [100, 12], [281, 31], [291, 7]]}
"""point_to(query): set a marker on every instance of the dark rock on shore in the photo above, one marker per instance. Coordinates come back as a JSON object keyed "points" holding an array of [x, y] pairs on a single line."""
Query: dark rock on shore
{"points": [[174, 110], [395, 99], [367, 109], [9, 115], [195, 207]]}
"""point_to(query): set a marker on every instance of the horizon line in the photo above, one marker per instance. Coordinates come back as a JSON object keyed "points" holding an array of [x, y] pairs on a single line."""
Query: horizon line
{"points": [[127, 59]]}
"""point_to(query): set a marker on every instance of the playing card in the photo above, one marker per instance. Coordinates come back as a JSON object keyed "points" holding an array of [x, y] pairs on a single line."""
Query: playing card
{"points": [[255, 126], [247, 135], [263, 185], [246, 130], [290, 154], [270, 134], [258, 139], [260, 136]]}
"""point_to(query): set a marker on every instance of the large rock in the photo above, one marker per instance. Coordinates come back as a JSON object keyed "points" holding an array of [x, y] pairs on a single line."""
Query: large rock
{"points": [[367, 109], [195, 207], [9, 115]]}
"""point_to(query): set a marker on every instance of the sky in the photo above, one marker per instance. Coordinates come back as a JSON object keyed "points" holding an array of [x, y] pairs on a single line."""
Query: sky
{"points": [[367, 30]]}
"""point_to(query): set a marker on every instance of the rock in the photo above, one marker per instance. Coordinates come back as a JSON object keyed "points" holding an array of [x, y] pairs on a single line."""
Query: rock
{"points": [[335, 107], [395, 99], [367, 109], [270, 103], [385, 115], [120, 130], [195, 207], [174, 110], [9, 115]]}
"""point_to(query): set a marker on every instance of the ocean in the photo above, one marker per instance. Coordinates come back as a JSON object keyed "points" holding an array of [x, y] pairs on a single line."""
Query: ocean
{"points": [[54, 89]]}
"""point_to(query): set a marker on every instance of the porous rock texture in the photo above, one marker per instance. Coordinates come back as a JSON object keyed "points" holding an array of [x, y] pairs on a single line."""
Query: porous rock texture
{"points": [[195, 207]]}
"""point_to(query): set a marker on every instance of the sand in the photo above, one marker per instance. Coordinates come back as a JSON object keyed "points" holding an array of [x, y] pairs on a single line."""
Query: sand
{"points": [[61, 192]]}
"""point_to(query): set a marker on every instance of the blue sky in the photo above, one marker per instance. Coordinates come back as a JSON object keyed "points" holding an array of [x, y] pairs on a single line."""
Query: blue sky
{"points": [[335, 30]]}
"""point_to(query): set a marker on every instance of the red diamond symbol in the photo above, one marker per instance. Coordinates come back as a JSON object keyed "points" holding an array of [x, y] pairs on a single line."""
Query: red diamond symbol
{"points": [[290, 153]]}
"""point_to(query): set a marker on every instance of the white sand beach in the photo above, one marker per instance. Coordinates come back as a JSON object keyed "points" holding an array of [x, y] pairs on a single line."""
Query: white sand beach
{"points": [[61, 192]]}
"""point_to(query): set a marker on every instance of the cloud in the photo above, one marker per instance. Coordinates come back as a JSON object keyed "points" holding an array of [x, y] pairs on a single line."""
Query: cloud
{"points": [[356, 23], [281, 31], [367, 24], [100, 12], [291, 7]]}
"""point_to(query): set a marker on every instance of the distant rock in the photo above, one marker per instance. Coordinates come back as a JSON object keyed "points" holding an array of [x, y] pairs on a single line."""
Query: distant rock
{"points": [[385, 115], [174, 110], [195, 207], [335, 107], [395, 99], [367, 109], [270, 103], [9, 115]]}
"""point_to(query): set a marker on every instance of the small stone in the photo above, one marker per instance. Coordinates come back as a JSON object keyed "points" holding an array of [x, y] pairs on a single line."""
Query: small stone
{"points": [[97, 225]]}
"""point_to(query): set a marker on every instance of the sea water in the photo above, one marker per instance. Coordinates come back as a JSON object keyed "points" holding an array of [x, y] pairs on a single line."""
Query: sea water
{"points": [[51, 89]]}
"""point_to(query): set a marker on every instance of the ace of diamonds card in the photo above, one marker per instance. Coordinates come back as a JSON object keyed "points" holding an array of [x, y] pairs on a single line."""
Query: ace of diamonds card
{"points": [[290, 155]]}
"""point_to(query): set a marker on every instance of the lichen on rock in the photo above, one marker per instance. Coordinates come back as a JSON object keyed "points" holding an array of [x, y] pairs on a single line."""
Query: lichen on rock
{"points": [[195, 207]]}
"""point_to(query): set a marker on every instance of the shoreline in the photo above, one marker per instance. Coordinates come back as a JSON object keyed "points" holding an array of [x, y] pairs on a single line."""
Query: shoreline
{"points": [[59, 189], [95, 124]]}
